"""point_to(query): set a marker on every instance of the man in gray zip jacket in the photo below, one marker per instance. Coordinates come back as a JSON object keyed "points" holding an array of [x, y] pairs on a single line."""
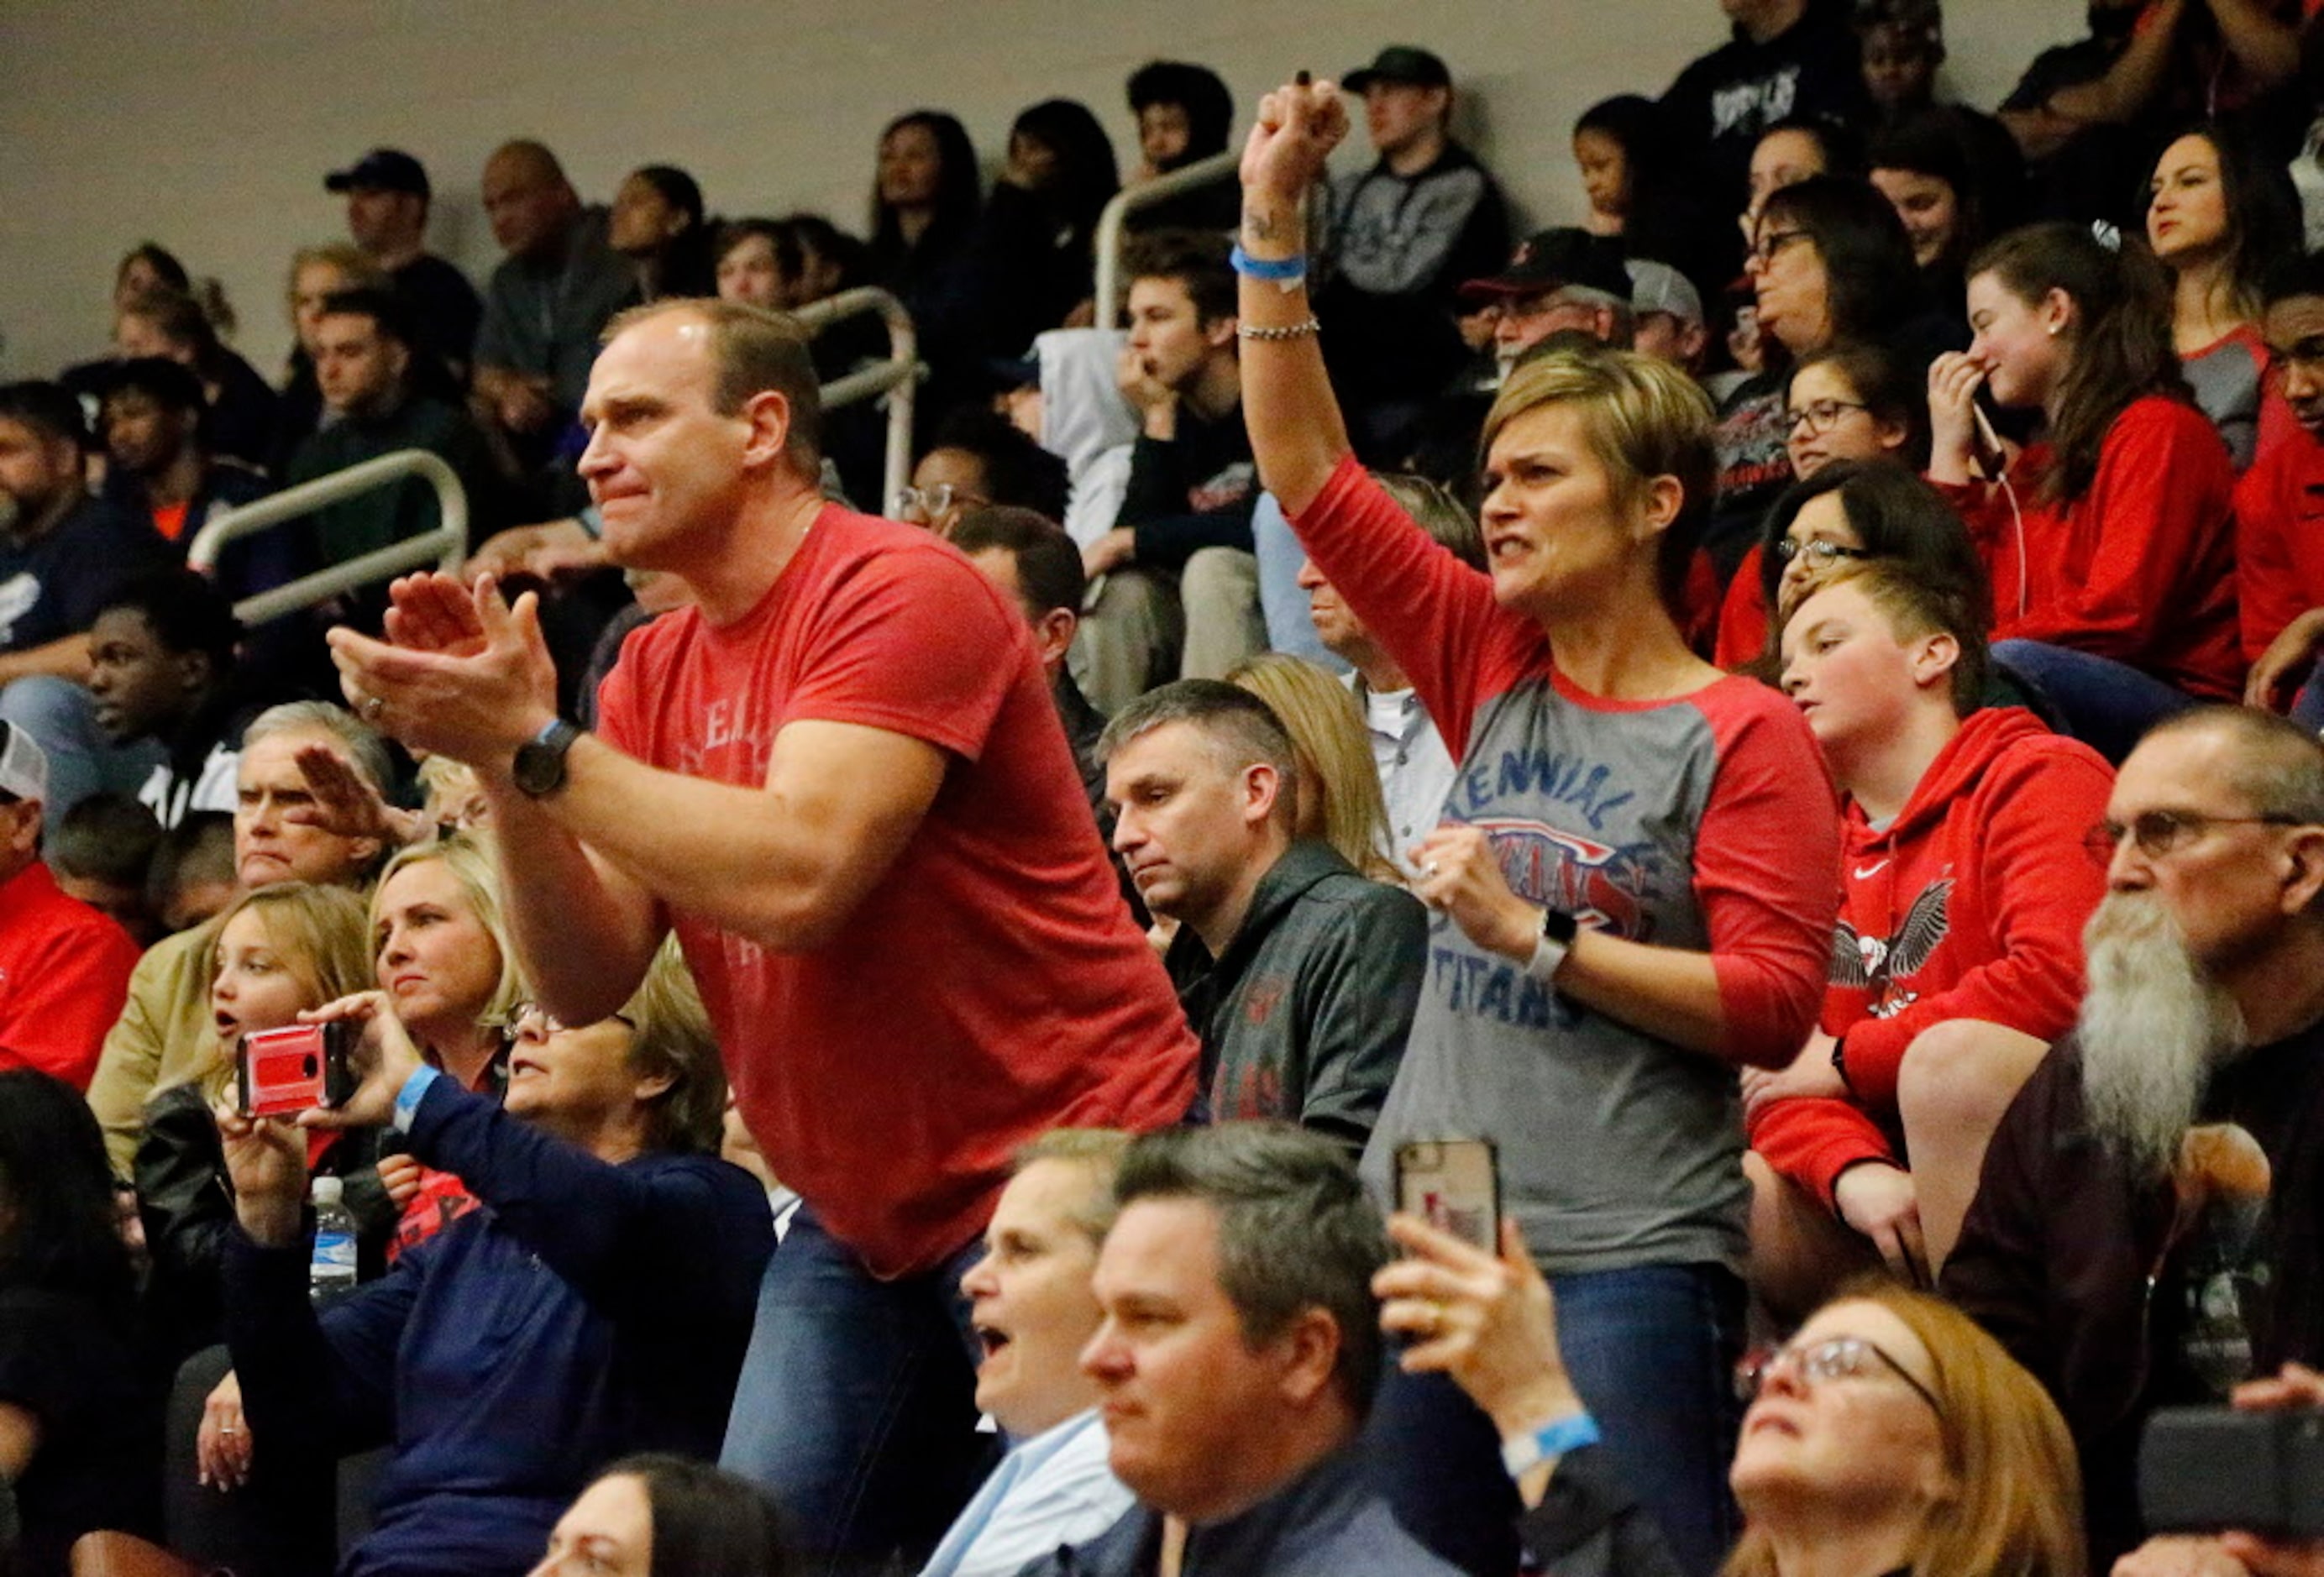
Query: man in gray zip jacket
{"points": [[1299, 975]]}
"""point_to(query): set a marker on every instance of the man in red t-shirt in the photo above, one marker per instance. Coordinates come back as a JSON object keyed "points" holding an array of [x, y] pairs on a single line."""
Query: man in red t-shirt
{"points": [[2280, 510], [839, 778], [64, 967]]}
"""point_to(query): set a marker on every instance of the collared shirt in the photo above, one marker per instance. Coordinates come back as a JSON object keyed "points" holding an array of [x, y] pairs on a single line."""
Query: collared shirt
{"points": [[1415, 769], [1326, 1522], [1054, 1489]]}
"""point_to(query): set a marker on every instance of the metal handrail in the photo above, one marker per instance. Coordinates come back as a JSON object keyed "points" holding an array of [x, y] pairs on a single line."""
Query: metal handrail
{"points": [[1202, 172], [446, 544], [896, 377]]}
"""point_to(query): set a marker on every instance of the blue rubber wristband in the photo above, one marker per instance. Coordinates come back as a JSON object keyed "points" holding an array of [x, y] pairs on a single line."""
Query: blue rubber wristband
{"points": [[406, 1098], [1571, 1433], [1267, 268]]}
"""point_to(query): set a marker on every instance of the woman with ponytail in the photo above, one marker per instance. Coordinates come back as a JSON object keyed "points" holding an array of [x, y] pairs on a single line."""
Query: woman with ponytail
{"points": [[2111, 538]]}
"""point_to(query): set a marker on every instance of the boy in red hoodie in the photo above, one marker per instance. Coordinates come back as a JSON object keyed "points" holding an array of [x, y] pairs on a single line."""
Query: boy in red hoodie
{"points": [[1965, 885]]}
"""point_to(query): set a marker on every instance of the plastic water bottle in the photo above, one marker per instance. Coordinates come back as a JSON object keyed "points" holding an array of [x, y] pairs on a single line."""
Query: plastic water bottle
{"points": [[332, 1272]]}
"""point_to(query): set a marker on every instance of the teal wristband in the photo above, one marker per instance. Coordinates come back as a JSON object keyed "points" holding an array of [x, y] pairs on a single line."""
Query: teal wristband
{"points": [[1522, 1453], [1279, 270], [406, 1098]]}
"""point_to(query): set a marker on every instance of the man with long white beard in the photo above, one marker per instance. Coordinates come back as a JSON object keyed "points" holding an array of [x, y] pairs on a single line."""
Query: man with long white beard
{"points": [[2146, 1231]]}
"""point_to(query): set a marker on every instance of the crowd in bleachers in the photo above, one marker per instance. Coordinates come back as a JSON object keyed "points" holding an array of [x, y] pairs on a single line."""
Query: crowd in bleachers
{"points": [[1642, 900]]}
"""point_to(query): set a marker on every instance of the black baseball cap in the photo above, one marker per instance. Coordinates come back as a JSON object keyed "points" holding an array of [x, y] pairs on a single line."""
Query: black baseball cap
{"points": [[1399, 63], [380, 169], [1554, 259]]}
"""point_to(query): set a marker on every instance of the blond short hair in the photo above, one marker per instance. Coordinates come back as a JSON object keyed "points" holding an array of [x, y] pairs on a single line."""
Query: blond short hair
{"points": [[670, 1035], [1645, 419]]}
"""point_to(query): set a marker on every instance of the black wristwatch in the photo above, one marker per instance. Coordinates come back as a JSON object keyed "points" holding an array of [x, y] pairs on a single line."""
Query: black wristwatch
{"points": [[540, 768], [1558, 930]]}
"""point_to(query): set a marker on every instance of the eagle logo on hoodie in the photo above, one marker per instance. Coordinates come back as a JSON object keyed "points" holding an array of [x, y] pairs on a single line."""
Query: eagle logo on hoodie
{"points": [[1868, 963]]}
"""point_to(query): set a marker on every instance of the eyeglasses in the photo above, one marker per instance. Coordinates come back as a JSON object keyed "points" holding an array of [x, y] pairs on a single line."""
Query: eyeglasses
{"points": [[1762, 250], [1819, 415], [550, 1024], [1821, 554], [2159, 832], [1834, 1358], [927, 503]]}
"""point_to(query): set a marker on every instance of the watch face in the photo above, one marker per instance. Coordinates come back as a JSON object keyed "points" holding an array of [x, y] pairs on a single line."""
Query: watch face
{"points": [[539, 765]]}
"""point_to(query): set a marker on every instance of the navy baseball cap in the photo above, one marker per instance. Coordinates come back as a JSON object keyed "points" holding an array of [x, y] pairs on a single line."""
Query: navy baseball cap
{"points": [[1399, 63], [380, 169]]}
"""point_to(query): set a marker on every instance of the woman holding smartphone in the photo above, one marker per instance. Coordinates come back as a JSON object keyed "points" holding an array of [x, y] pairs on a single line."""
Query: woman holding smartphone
{"points": [[1633, 875], [2111, 540]]}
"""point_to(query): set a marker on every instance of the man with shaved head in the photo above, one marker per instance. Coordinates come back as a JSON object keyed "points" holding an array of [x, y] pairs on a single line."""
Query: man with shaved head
{"points": [[548, 301]]}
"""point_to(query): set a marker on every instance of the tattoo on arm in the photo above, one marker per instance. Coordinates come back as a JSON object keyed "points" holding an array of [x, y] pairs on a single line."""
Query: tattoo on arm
{"points": [[1276, 226]]}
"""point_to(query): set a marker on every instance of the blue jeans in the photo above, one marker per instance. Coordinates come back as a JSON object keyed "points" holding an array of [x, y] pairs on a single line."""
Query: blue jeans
{"points": [[63, 717], [2308, 704], [2104, 704], [1281, 603], [1652, 1350], [857, 1407]]}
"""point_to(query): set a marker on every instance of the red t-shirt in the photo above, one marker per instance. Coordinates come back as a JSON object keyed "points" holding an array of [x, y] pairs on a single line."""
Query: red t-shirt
{"points": [[2280, 539], [64, 975], [992, 985]]}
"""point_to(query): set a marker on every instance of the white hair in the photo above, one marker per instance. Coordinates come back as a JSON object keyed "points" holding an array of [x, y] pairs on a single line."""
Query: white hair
{"points": [[2153, 1026]]}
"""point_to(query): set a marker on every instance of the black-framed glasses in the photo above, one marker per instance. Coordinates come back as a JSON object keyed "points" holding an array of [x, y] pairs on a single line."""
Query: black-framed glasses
{"points": [[2159, 832], [1820, 553], [1764, 250], [1819, 415], [1834, 1357]]}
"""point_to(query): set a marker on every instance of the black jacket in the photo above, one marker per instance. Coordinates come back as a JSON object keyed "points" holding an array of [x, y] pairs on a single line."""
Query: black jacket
{"points": [[186, 1206], [1305, 1015], [1720, 103], [2085, 1274]]}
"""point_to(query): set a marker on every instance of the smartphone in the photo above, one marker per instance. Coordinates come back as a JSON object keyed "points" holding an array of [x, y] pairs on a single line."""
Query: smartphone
{"points": [[2209, 1468], [1454, 1185], [1986, 448], [296, 1068]]}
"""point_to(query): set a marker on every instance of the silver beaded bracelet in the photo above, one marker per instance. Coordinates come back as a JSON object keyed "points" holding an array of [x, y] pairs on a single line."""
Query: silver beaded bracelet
{"points": [[1287, 331]]}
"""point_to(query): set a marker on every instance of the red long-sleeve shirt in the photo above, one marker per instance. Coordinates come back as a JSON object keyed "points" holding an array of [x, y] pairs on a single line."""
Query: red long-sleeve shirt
{"points": [[2140, 568]]}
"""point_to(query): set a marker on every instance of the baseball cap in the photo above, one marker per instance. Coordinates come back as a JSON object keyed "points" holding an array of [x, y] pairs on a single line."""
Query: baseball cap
{"points": [[380, 169], [1399, 63], [24, 765], [1657, 287], [1554, 259]]}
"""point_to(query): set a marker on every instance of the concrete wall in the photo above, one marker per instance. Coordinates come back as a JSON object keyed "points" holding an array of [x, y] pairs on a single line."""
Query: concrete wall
{"points": [[207, 125]]}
